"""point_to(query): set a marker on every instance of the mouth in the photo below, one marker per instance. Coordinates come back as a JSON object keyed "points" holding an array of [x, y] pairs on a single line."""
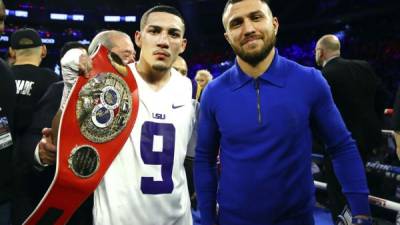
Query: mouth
{"points": [[250, 39], [161, 54]]}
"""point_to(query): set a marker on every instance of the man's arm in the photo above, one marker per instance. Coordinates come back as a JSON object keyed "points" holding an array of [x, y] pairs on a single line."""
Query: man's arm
{"points": [[45, 110], [382, 95], [345, 156], [46, 150], [205, 172], [396, 113], [75, 61]]}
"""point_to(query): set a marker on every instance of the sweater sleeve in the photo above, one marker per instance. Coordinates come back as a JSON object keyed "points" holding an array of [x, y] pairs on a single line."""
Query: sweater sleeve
{"points": [[345, 156], [205, 173]]}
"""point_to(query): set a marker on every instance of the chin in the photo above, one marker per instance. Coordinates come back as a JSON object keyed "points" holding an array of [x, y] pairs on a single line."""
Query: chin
{"points": [[254, 52], [252, 47], [160, 67]]}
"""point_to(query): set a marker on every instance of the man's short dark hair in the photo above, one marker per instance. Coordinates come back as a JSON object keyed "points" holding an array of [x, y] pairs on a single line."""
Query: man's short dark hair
{"points": [[161, 8], [230, 2]]}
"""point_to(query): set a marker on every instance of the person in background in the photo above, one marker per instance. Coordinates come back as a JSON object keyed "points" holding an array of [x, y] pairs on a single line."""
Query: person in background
{"points": [[117, 42], [395, 120], [202, 78], [7, 133], [10, 58], [360, 97], [180, 66], [31, 80], [39, 174]]}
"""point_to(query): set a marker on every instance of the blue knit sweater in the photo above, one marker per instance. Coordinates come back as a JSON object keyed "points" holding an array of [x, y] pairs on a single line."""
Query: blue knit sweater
{"points": [[261, 127]]}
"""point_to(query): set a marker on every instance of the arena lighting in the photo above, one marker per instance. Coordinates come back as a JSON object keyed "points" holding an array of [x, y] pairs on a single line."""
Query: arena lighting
{"points": [[25, 5], [78, 17], [130, 18], [4, 38], [112, 19], [84, 42], [17, 13], [340, 35], [61, 16], [57, 69], [48, 41], [116, 19], [58, 16]]}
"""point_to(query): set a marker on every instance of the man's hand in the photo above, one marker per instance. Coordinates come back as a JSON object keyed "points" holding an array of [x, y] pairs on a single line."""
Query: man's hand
{"points": [[47, 150], [75, 62], [85, 65]]}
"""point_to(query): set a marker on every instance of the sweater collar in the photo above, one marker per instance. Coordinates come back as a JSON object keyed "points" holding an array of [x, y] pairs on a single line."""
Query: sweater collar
{"points": [[274, 75]]}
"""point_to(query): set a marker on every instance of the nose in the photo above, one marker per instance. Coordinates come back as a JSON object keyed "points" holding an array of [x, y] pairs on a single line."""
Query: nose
{"points": [[248, 27], [133, 56], [131, 59], [162, 41]]}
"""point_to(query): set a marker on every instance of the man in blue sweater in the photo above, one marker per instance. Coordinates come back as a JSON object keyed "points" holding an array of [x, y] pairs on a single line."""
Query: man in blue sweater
{"points": [[258, 115]]}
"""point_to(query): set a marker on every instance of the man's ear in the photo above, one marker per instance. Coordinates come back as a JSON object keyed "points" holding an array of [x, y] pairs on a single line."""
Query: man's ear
{"points": [[183, 45], [138, 39], [275, 23], [11, 52], [44, 52], [227, 37]]}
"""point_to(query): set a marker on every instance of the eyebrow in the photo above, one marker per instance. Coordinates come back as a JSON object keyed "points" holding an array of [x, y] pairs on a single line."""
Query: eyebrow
{"points": [[169, 29], [257, 12], [154, 27], [175, 30]]}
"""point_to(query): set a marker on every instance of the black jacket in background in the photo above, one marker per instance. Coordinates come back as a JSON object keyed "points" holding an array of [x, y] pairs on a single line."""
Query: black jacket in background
{"points": [[7, 104], [31, 84], [359, 95], [396, 114], [33, 183]]}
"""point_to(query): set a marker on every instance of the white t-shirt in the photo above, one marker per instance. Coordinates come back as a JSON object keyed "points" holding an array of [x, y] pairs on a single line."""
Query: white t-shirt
{"points": [[146, 183]]}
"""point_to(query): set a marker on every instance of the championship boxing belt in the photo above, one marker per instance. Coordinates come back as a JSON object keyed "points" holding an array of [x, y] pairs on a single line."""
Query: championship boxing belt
{"points": [[97, 120]]}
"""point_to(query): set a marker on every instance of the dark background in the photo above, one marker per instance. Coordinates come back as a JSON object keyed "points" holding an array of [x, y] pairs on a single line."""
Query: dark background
{"points": [[369, 29]]}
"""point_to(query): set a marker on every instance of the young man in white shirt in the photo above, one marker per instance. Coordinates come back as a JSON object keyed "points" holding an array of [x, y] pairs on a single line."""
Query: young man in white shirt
{"points": [[146, 183]]}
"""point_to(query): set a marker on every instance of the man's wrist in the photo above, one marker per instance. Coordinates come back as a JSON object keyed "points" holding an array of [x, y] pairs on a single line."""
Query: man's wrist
{"points": [[37, 158]]}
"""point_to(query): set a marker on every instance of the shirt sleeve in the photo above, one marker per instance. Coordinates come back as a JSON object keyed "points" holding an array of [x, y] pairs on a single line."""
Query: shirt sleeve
{"points": [[69, 70], [345, 156], [39, 166], [205, 174]]}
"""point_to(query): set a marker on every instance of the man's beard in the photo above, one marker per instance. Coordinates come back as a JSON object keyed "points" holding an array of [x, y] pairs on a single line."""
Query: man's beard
{"points": [[255, 58], [159, 70]]}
